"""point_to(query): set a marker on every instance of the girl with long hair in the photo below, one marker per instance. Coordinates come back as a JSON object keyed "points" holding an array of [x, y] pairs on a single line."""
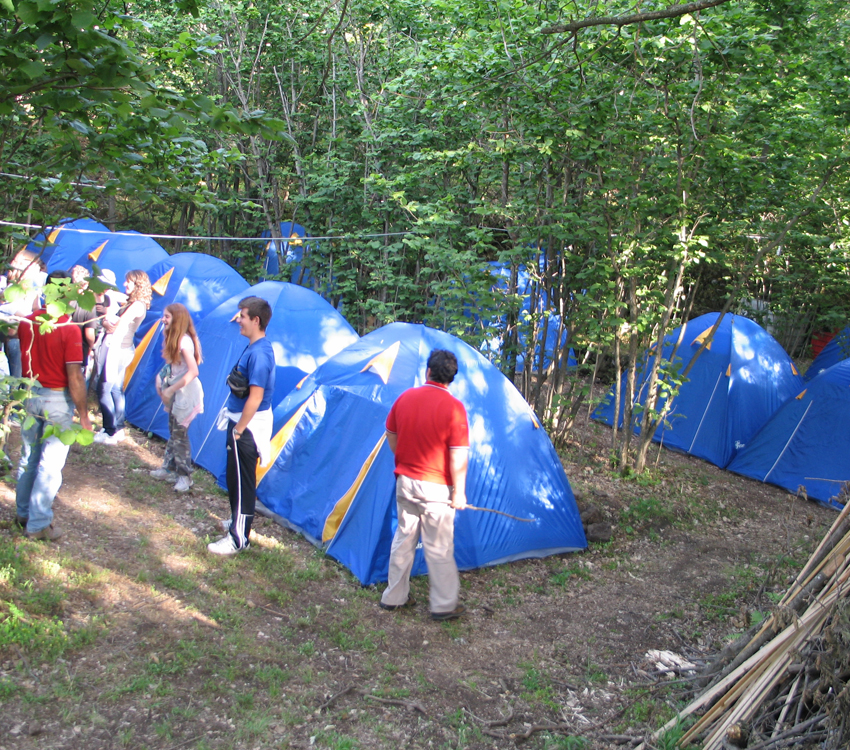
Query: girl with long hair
{"points": [[116, 352], [180, 390]]}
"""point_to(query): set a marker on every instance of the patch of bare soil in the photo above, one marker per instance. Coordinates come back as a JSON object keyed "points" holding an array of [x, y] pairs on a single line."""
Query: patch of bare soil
{"points": [[281, 647]]}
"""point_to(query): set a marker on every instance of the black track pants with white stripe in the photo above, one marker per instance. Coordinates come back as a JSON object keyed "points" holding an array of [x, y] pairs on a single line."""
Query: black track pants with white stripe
{"points": [[242, 458]]}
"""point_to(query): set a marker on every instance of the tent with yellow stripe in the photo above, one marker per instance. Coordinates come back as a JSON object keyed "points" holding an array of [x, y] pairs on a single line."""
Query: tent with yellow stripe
{"points": [[738, 381], [304, 332], [60, 246], [121, 253], [87, 243], [332, 474]]}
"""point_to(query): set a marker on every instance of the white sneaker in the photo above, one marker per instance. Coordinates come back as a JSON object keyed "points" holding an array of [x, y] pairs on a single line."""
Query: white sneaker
{"points": [[226, 546], [161, 473], [183, 484], [100, 437], [114, 439]]}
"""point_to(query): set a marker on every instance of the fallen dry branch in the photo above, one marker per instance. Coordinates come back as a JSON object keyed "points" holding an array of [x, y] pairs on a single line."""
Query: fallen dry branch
{"points": [[534, 728], [336, 696], [503, 722], [618, 739], [797, 731], [409, 705], [788, 680]]}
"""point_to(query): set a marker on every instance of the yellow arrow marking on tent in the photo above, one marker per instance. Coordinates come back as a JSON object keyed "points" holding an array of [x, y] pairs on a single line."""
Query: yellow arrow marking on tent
{"points": [[95, 254], [729, 370], [335, 517], [794, 369], [139, 353], [279, 440], [802, 394], [382, 364], [301, 382], [55, 233], [699, 339], [162, 283]]}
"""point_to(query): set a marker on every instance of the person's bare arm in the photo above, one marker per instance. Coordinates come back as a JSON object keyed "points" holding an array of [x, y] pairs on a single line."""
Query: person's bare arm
{"points": [[77, 387], [392, 440], [457, 467], [188, 377]]}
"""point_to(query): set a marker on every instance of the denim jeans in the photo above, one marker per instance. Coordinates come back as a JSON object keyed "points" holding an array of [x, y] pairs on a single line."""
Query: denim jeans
{"points": [[111, 398], [110, 389], [13, 354], [42, 461]]}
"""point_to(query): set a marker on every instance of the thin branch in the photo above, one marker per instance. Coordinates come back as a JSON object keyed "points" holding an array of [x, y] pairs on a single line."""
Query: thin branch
{"points": [[672, 12]]}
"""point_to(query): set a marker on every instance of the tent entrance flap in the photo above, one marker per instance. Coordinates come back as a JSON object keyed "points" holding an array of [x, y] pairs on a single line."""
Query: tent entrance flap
{"points": [[707, 407], [139, 353], [335, 517], [785, 447], [280, 440]]}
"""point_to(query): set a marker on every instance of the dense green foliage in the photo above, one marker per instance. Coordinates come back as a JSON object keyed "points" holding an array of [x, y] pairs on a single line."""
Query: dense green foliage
{"points": [[639, 173]]}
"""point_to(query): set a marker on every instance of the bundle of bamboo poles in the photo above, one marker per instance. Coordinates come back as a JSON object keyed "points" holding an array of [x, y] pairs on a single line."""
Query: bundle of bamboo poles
{"points": [[788, 683]]}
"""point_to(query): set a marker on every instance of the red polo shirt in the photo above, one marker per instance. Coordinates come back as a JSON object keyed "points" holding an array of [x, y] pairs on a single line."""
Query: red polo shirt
{"points": [[428, 421], [44, 355]]}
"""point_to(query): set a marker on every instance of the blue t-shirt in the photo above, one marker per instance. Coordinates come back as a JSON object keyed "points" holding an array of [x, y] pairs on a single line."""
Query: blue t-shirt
{"points": [[256, 364]]}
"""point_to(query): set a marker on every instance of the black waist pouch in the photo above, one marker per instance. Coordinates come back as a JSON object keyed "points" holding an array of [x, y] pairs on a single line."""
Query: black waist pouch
{"points": [[238, 383]]}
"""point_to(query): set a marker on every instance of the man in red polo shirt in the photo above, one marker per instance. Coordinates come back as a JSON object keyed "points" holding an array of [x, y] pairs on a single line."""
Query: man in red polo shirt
{"points": [[55, 360], [428, 433]]}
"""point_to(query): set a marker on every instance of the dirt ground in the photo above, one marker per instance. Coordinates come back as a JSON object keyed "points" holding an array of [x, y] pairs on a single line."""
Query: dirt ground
{"points": [[285, 649]]}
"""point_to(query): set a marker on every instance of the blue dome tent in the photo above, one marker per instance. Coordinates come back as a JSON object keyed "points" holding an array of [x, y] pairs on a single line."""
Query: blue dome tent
{"points": [[68, 241], [120, 252], [201, 282], [304, 331], [288, 252], [332, 427], [806, 442], [834, 352], [736, 384], [551, 336]]}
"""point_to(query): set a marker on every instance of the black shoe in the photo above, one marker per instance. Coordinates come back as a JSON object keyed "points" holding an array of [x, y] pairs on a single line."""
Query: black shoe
{"points": [[411, 602], [453, 615]]}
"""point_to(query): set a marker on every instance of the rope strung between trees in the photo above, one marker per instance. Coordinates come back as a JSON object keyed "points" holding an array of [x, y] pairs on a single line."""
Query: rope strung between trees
{"points": [[289, 240]]}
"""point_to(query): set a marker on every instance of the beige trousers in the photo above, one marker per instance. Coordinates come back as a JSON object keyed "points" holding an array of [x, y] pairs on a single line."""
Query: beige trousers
{"points": [[423, 509]]}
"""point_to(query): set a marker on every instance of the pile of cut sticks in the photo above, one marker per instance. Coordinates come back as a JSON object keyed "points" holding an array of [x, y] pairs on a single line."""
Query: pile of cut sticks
{"points": [[787, 683]]}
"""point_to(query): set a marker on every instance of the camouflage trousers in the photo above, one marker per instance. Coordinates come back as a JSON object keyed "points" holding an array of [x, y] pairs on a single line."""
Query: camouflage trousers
{"points": [[178, 452]]}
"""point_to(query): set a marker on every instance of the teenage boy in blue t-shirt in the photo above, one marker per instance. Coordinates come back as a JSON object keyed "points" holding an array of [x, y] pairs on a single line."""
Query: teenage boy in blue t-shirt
{"points": [[249, 424]]}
